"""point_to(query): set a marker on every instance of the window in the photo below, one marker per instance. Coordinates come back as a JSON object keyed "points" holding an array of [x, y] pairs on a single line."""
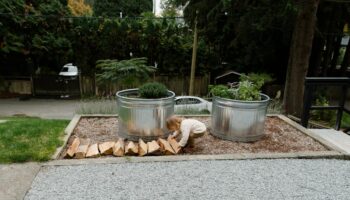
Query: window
{"points": [[186, 101], [64, 69]]}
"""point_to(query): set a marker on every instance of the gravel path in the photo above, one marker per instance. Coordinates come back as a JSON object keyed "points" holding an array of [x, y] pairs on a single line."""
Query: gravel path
{"points": [[255, 179]]}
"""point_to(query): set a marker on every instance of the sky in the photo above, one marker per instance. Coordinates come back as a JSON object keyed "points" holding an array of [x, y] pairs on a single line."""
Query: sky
{"points": [[157, 7]]}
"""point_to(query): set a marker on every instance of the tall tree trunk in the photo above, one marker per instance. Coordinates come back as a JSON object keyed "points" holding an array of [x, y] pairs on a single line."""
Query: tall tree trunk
{"points": [[299, 57]]}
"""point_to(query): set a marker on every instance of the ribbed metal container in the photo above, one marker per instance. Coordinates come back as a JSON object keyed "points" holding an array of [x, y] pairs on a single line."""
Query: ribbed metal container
{"points": [[143, 118], [236, 120]]}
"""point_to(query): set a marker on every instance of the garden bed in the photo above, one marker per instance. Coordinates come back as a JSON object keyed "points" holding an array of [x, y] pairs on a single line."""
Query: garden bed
{"points": [[281, 137]]}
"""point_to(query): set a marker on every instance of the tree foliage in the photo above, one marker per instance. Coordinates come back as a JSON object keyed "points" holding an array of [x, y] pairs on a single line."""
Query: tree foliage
{"points": [[248, 35], [127, 72], [26, 35], [79, 8]]}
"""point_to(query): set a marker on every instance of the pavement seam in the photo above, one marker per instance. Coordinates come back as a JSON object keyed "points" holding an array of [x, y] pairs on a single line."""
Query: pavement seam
{"points": [[31, 184]]}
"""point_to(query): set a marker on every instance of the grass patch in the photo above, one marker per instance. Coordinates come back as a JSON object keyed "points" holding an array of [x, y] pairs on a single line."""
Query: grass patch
{"points": [[29, 139]]}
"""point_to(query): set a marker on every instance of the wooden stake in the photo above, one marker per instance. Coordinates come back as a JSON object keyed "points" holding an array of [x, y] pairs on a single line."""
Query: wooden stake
{"points": [[118, 148], [153, 148], [73, 148], [165, 147], [131, 149], [174, 144], [93, 152], [142, 148], [83, 147], [106, 148]]}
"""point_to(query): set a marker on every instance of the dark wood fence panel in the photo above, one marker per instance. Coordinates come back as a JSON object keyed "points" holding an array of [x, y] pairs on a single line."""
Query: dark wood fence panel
{"points": [[56, 85], [178, 84]]}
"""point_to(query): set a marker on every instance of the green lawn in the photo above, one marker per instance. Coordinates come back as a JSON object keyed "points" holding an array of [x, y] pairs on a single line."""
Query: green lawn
{"points": [[29, 139]]}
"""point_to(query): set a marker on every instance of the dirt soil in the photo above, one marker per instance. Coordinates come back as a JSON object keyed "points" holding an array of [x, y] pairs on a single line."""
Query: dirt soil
{"points": [[280, 138]]}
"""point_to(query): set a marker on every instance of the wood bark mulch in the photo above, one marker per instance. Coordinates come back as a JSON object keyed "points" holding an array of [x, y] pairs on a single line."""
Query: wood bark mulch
{"points": [[280, 137]]}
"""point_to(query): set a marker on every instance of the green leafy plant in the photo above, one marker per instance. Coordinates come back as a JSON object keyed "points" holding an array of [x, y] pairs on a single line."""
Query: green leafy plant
{"points": [[328, 116], [127, 72], [153, 90], [248, 89], [258, 79]]}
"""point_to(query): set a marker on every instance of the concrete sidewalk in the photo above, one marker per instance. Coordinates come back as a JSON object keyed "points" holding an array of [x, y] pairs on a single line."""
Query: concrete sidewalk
{"points": [[16, 179], [44, 108]]}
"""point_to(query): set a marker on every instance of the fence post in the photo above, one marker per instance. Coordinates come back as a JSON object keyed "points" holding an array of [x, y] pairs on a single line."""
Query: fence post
{"points": [[341, 107], [307, 104]]}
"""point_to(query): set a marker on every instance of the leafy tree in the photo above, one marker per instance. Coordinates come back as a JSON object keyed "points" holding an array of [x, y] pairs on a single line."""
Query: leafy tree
{"points": [[248, 35], [127, 72], [43, 44], [79, 8]]}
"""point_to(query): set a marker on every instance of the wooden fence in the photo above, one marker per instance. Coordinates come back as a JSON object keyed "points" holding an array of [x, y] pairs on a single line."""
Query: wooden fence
{"points": [[16, 85], [49, 85], [177, 84]]}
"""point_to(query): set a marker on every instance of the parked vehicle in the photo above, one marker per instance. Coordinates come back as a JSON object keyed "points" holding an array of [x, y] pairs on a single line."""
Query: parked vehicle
{"points": [[69, 70], [191, 102], [69, 74]]}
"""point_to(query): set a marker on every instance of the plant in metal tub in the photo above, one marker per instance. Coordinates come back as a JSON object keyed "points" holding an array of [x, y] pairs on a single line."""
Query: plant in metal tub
{"points": [[239, 111], [143, 111]]}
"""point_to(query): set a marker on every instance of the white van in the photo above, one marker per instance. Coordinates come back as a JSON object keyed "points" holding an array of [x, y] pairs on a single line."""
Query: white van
{"points": [[69, 70]]}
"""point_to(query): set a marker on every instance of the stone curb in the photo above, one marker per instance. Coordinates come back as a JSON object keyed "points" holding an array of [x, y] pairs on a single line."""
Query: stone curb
{"points": [[180, 158], [309, 133], [68, 132]]}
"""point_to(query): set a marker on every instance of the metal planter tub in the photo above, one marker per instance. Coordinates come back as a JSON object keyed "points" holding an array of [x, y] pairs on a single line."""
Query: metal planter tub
{"points": [[241, 121], [143, 118]]}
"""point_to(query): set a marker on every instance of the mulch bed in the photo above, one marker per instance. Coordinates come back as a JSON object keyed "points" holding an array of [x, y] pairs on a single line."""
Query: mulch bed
{"points": [[280, 138]]}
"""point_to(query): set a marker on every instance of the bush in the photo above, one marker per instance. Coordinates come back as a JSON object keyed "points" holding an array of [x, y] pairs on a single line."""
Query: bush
{"points": [[153, 90], [126, 72], [248, 89]]}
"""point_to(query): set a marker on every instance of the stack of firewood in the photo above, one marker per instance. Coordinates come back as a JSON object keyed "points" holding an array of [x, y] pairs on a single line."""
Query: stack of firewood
{"points": [[82, 148]]}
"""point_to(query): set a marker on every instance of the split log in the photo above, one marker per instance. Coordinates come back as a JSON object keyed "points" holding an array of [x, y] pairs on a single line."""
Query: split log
{"points": [[106, 148], [174, 144], [131, 149], [73, 148], [118, 148], [153, 148], [165, 147], [83, 148], [142, 148], [93, 152]]}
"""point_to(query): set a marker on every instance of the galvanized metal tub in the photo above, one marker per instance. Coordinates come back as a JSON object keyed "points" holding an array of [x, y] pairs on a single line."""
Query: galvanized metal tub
{"points": [[143, 118], [236, 120]]}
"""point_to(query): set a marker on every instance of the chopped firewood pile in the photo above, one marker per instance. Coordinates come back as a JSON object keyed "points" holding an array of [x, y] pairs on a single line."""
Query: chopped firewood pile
{"points": [[82, 148]]}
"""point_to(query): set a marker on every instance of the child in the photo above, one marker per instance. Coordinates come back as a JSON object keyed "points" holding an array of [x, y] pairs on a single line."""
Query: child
{"points": [[188, 128]]}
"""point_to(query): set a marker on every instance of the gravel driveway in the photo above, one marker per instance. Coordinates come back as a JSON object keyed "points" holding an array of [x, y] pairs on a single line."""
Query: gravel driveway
{"points": [[246, 179]]}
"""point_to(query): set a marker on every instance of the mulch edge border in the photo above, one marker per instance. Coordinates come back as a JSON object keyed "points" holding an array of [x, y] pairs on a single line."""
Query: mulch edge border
{"points": [[309, 133], [182, 158], [67, 133], [334, 152]]}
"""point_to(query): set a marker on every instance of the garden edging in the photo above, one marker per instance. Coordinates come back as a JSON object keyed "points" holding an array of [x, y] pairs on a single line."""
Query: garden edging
{"points": [[334, 152]]}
